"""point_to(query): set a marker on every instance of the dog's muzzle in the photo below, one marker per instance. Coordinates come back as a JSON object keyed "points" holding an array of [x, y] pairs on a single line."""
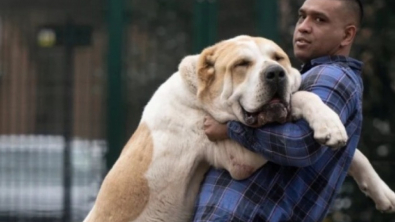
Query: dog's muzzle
{"points": [[274, 111], [277, 109]]}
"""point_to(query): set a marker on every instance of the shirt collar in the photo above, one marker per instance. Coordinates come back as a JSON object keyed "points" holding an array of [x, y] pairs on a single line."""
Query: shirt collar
{"points": [[351, 62]]}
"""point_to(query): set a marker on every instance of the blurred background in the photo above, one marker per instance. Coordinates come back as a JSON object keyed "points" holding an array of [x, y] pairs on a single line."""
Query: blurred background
{"points": [[76, 74]]}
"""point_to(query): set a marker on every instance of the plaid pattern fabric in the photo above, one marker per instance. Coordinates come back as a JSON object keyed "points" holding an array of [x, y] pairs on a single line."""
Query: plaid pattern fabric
{"points": [[301, 179]]}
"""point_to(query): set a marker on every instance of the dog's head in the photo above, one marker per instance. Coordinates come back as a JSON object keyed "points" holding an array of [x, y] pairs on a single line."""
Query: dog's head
{"points": [[245, 78]]}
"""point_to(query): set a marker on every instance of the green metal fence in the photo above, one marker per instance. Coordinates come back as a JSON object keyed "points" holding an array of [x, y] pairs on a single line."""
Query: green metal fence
{"points": [[52, 90]]}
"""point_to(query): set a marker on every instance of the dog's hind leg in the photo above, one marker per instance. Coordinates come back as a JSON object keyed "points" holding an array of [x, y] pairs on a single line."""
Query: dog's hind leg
{"points": [[371, 184]]}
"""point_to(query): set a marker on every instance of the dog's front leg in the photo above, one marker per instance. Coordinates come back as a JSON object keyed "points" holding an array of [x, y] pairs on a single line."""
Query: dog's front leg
{"points": [[326, 124], [371, 184], [237, 160]]}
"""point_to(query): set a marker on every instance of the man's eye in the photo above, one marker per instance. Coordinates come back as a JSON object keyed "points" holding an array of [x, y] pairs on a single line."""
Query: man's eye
{"points": [[301, 18], [320, 20]]}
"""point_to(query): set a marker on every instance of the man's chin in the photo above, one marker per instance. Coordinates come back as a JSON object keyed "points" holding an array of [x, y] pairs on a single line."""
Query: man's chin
{"points": [[301, 56]]}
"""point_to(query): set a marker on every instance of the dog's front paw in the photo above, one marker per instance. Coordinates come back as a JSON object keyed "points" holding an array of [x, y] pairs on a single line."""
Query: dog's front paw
{"points": [[328, 128]]}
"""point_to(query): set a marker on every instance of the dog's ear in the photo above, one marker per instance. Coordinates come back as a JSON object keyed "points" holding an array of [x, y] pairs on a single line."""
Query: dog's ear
{"points": [[206, 69], [188, 71]]}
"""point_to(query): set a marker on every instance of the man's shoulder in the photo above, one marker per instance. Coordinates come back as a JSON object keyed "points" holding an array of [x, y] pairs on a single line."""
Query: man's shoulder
{"points": [[335, 65], [335, 60], [328, 71], [330, 74], [326, 68]]}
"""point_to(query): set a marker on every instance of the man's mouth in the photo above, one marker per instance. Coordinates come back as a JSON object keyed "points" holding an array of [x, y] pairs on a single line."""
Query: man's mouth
{"points": [[301, 42], [274, 111]]}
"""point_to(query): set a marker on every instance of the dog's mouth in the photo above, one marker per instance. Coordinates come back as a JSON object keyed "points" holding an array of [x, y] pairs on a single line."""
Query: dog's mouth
{"points": [[276, 110]]}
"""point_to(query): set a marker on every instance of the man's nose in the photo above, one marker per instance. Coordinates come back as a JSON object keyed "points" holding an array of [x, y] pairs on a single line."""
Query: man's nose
{"points": [[274, 74], [304, 26]]}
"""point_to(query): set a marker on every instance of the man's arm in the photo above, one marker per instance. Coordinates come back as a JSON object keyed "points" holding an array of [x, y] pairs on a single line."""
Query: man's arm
{"points": [[293, 144]]}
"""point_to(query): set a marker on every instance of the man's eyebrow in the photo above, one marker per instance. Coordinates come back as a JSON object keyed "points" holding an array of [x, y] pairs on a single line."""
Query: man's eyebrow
{"points": [[319, 14], [314, 13]]}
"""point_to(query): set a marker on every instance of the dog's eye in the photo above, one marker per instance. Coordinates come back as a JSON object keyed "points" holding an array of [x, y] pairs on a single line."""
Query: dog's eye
{"points": [[243, 63], [278, 58]]}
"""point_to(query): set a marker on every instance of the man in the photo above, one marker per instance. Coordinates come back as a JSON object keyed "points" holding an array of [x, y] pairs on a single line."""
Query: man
{"points": [[302, 178]]}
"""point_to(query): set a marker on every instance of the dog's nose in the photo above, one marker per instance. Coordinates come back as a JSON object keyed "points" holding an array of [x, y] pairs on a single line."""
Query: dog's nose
{"points": [[274, 73]]}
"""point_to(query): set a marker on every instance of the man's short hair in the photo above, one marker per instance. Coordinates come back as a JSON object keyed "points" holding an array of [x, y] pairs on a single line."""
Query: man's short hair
{"points": [[356, 7]]}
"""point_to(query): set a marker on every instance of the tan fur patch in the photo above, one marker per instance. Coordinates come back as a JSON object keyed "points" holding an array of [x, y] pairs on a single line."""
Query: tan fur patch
{"points": [[125, 192], [210, 73], [239, 75]]}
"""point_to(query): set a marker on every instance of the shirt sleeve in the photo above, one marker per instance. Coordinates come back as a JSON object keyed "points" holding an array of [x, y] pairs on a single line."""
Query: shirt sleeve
{"points": [[293, 143]]}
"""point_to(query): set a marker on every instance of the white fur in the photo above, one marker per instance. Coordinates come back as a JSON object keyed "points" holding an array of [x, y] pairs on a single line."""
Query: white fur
{"points": [[178, 155], [371, 184]]}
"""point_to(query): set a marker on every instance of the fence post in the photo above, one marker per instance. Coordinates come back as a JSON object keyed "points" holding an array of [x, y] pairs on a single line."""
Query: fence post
{"points": [[267, 14], [205, 24], [70, 39], [115, 96]]}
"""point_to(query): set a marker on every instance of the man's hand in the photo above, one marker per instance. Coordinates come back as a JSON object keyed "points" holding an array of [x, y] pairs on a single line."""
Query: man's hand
{"points": [[215, 130]]}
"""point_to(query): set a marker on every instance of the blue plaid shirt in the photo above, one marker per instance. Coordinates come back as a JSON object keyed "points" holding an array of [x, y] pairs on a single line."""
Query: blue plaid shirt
{"points": [[302, 178]]}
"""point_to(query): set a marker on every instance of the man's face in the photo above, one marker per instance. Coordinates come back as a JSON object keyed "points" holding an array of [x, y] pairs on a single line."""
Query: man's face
{"points": [[319, 30]]}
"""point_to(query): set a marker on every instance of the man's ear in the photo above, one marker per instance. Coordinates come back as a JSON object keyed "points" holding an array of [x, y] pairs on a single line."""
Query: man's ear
{"points": [[349, 35], [206, 69]]}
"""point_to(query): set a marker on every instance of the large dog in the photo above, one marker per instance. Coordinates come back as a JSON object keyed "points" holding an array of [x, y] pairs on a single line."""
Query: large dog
{"points": [[251, 80]]}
